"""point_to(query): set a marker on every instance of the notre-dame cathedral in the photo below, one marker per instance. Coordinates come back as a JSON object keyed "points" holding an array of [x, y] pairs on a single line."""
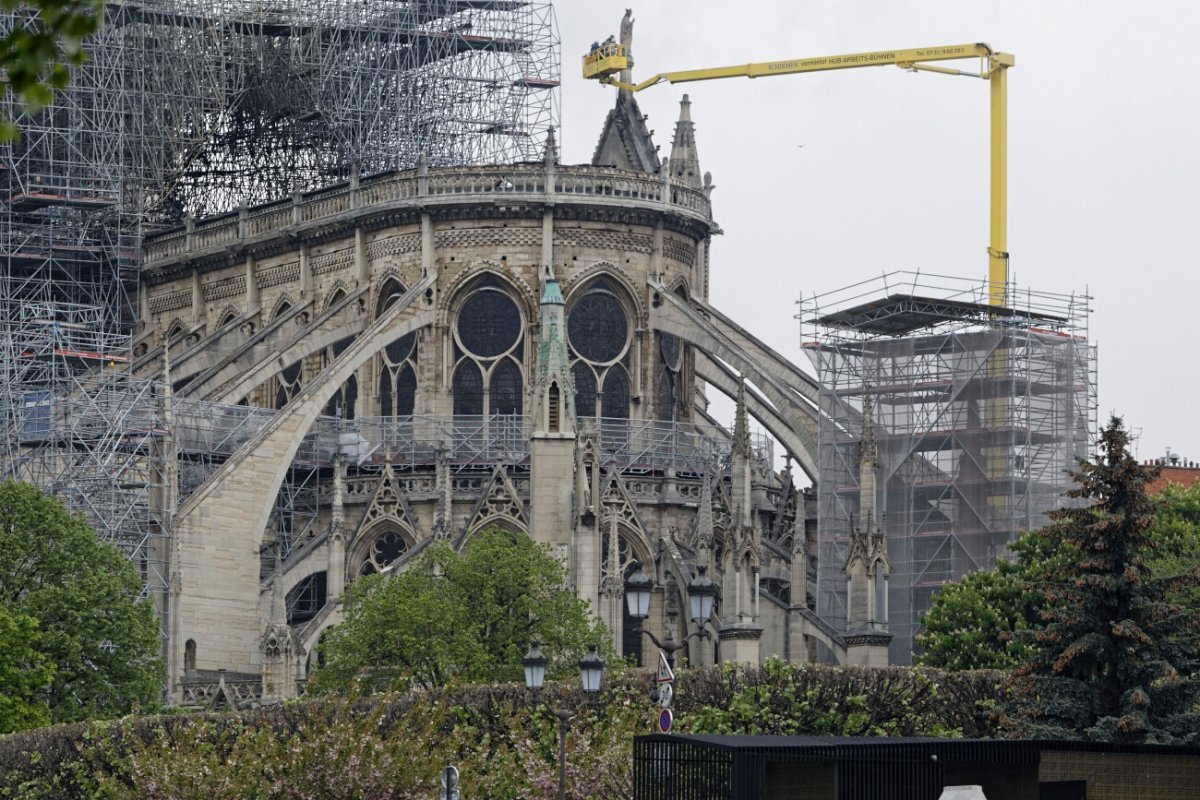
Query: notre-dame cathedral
{"points": [[531, 346]]}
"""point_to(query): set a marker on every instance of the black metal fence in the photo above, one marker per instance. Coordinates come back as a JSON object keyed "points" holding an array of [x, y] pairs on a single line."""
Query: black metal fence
{"points": [[676, 769]]}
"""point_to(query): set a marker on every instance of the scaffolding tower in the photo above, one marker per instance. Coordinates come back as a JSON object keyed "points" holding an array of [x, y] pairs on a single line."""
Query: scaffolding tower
{"points": [[195, 107], [978, 413]]}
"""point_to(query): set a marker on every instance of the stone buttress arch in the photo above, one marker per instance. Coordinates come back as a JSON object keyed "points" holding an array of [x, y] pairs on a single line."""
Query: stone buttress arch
{"points": [[266, 357], [220, 526], [791, 416]]}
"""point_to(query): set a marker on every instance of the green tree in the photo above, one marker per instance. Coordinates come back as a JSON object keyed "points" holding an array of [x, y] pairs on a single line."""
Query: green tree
{"points": [[971, 622], [38, 51], [1118, 653], [101, 643], [468, 616], [974, 623], [1176, 533], [25, 673]]}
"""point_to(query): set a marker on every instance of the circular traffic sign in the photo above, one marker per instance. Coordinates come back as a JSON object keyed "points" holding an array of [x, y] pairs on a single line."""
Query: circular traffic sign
{"points": [[665, 719], [665, 693]]}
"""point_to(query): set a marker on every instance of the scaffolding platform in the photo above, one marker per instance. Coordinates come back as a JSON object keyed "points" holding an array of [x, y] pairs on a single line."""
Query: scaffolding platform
{"points": [[898, 314], [31, 201]]}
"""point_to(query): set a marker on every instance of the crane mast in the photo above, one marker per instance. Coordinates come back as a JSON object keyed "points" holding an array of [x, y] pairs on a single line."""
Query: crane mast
{"points": [[610, 62]]}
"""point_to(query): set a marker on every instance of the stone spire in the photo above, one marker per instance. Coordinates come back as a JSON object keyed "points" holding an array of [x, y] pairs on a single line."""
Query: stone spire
{"points": [[685, 161], [278, 644], [741, 425], [550, 156], [868, 462], [705, 534], [554, 389], [867, 566], [626, 142]]}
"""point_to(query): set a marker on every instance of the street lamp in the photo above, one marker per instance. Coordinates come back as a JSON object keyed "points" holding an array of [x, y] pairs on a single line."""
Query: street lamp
{"points": [[702, 592], [637, 592], [591, 670], [535, 666]]}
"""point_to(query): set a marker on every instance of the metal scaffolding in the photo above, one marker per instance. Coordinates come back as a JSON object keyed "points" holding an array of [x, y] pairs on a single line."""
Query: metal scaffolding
{"points": [[195, 107], [978, 413]]}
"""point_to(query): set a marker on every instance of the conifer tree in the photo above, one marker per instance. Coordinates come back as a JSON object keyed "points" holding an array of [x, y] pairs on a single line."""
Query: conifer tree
{"points": [[1118, 656]]}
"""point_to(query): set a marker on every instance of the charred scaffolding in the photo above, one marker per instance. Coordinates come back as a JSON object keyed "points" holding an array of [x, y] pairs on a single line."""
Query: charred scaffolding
{"points": [[194, 107]]}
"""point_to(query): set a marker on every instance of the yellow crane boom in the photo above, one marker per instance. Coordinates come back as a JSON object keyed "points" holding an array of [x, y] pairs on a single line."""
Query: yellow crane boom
{"points": [[607, 62]]}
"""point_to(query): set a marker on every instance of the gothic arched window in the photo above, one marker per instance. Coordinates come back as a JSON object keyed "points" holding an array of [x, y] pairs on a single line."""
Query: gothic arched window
{"points": [[615, 398], [489, 351], [599, 333], [468, 390], [585, 389], [398, 361]]}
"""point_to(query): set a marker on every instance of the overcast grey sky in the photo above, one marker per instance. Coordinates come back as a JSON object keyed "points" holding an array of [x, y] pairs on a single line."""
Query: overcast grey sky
{"points": [[1104, 125]]}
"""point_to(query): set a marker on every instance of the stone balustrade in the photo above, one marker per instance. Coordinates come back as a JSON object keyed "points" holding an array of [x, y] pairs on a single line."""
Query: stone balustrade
{"points": [[521, 183]]}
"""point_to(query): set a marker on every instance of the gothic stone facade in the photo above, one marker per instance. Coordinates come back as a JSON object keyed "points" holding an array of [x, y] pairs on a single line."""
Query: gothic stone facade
{"points": [[526, 346]]}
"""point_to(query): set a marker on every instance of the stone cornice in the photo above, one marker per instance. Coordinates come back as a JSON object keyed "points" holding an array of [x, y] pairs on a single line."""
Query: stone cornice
{"points": [[582, 193], [741, 630], [867, 638]]}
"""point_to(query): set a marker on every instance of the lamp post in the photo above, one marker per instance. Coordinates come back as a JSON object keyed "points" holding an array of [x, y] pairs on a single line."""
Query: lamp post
{"points": [[591, 670], [701, 591]]}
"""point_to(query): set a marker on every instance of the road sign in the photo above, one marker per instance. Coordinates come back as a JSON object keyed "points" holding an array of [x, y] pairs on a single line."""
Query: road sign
{"points": [[450, 783], [665, 695], [665, 675], [665, 718]]}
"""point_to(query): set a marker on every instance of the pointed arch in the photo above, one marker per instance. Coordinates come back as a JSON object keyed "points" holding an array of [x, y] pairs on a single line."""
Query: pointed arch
{"points": [[553, 411], [390, 289], [379, 546], [601, 320], [607, 268], [335, 293], [615, 397], [500, 504], [489, 339], [282, 306], [228, 314], [396, 365], [175, 329], [681, 287], [466, 280]]}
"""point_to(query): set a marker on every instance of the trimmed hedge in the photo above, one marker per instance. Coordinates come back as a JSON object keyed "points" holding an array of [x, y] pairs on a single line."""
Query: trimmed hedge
{"points": [[501, 736]]}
